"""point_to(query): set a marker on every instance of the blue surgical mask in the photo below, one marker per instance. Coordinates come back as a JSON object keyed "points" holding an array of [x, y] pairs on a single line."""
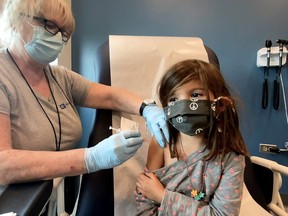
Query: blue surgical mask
{"points": [[44, 47]]}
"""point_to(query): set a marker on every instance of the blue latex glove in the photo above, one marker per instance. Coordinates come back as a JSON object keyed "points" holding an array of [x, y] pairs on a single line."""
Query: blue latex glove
{"points": [[156, 122], [112, 151]]}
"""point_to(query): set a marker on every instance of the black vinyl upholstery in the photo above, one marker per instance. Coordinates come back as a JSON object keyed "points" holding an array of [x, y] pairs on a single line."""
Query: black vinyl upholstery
{"points": [[259, 182], [26, 199], [71, 189], [97, 189]]}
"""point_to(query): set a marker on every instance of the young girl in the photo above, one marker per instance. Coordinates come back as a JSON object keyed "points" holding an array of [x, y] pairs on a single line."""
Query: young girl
{"points": [[200, 172]]}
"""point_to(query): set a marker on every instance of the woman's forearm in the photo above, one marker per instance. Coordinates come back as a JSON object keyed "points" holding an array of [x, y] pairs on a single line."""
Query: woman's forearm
{"points": [[106, 97], [22, 166]]}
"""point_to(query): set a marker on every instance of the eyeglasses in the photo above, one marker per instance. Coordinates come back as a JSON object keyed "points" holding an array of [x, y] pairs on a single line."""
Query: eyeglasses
{"points": [[52, 28]]}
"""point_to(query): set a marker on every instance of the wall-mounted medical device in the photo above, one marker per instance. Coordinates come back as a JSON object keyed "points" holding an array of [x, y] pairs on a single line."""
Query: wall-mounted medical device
{"points": [[274, 57]]}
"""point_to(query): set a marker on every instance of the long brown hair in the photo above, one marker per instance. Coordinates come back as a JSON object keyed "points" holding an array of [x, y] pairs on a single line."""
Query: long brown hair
{"points": [[224, 134]]}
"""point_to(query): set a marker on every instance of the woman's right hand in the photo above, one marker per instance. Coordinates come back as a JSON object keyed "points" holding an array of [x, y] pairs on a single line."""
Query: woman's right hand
{"points": [[112, 151]]}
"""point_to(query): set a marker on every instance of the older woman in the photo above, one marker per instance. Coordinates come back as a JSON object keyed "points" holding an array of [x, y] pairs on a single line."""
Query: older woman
{"points": [[39, 123]]}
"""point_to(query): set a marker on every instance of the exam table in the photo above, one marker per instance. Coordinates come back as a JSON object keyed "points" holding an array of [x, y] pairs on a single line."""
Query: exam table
{"points": [[25, 199]]}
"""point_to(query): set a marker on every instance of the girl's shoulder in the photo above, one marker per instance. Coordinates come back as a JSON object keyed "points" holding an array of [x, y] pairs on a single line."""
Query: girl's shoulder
{"points": [[233, 160]]}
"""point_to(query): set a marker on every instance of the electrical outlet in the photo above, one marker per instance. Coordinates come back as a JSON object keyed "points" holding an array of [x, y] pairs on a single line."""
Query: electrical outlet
{"points": [[267, 148]]}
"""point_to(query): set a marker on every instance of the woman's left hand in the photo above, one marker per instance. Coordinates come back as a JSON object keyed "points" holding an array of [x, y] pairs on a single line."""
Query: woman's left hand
{"points": [[157, 124], [149, 185]]}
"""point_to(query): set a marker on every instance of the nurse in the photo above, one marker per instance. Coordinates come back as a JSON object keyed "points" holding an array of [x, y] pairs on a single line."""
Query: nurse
{"points": [[39, 123]]}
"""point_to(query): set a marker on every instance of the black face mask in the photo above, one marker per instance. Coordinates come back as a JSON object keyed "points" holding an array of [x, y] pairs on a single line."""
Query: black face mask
{"points": [[190, 117]]}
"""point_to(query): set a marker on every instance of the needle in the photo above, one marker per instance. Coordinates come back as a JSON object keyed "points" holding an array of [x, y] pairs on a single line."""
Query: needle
{"points": [[117, 130]]}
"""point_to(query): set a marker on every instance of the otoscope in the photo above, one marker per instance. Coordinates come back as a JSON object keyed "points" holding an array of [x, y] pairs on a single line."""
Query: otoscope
{"points": [[278, 72], [268, 45]]}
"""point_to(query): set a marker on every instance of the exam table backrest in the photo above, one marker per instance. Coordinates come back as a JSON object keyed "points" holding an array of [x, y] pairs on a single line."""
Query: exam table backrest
{"points": [[97, 189]]}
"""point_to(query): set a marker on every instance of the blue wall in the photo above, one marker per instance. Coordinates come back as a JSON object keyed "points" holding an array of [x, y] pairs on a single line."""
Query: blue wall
{"points": [[235, 30]]}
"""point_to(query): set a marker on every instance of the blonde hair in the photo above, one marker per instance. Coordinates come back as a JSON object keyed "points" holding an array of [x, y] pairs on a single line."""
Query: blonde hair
{"points": [[11, 20]]}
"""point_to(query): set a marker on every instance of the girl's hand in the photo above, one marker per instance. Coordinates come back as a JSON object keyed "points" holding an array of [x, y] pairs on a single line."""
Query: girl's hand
{"points": [[149, 185]]}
